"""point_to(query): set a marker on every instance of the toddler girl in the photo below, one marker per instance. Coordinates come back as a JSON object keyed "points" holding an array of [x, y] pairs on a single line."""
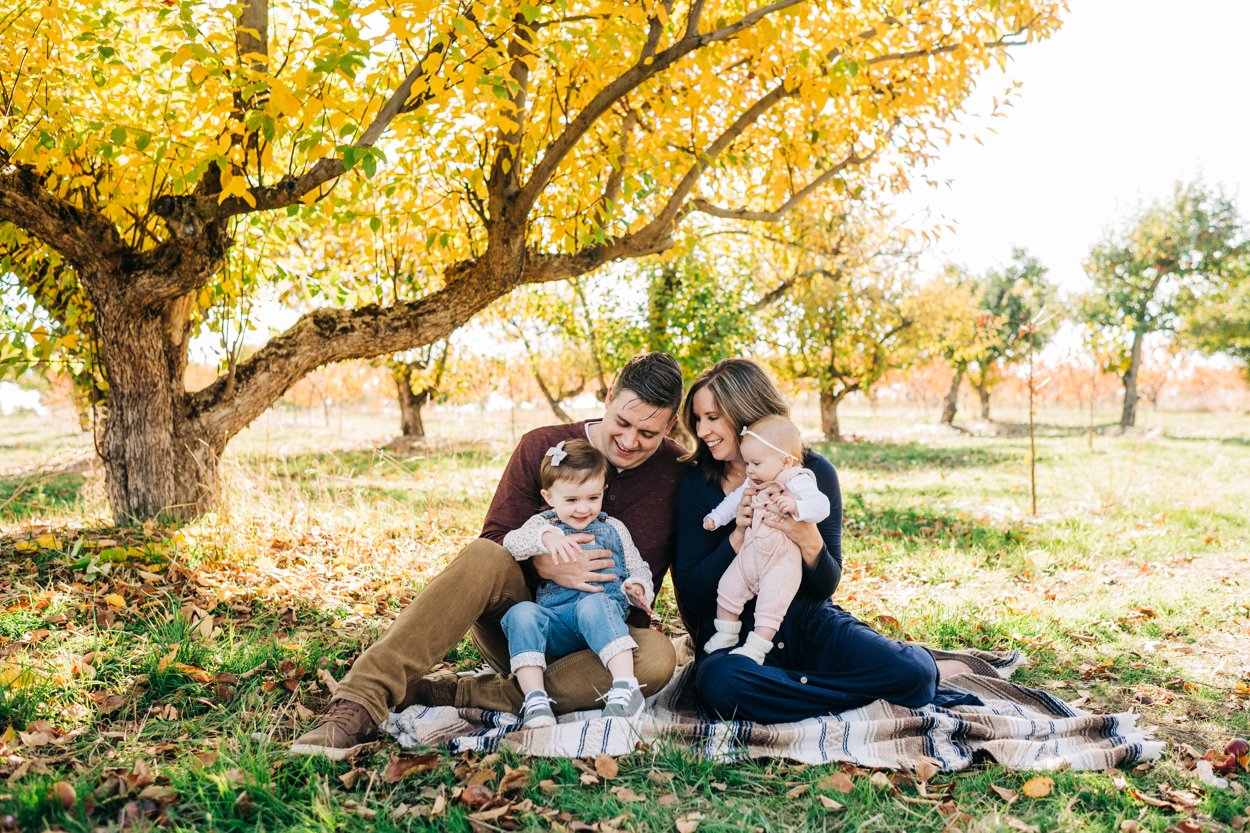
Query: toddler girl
{"points": [[563, 620], [769, 565]]}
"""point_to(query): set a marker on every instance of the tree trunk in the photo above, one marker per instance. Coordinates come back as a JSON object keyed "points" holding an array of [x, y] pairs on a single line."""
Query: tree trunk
{"points": [[951, 403], [829, 415], [1128, 416], [983, 393], [410, 404], [156, 463]]}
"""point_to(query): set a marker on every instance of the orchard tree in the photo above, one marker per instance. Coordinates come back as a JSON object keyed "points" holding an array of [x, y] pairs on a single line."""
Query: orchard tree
{"points": [[1012, 302], [1172, 254], [958, 329], [1219, 320], [143, 143]]}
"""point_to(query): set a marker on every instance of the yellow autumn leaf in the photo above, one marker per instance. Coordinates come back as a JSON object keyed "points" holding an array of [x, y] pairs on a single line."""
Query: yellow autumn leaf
{"points": [[1039, 786], [26, 546], [197, 674], [48, 542], [115, 600]]}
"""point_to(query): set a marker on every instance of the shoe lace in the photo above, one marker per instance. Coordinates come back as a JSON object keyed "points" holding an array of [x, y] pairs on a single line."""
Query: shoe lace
{"points": [[343, 713], [618, 696], [533, 701]]}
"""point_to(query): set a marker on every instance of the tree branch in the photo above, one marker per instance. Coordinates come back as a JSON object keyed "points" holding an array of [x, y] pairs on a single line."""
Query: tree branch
{"points": [[643, 69], [84, 237]]}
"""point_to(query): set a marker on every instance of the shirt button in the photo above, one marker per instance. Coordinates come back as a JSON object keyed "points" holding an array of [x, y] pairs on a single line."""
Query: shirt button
{"points": [[781, 645], [803, 680]]}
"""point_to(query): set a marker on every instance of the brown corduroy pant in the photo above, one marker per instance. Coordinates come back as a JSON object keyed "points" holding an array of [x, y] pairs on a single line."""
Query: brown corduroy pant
{"points": [[470, 596]]}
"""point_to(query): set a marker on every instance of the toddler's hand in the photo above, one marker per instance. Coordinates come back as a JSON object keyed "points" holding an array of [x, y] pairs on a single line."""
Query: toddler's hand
{"points": [[708, 523], [637, 596], [562, 547]]}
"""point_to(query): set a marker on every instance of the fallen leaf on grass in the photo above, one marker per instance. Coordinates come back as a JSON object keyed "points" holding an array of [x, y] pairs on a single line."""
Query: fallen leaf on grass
{"points": [[1016, 824], [798, 791], [476, 796], [881, 781], [668, 800], [626, 795], [514, 779], [831, 805], [1039, 786], [839, 782], [926, 768], [548, 786], [588, 779], [1185, 827], [353, 775], [689, 822], [1130, 826], [401, 766], [115, 600], [64, 792], [1004, 793], [606, 767]]}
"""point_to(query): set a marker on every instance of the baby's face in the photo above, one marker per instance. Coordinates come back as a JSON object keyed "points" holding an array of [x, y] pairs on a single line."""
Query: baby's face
{"points": [[763, 463], [576, 504]]}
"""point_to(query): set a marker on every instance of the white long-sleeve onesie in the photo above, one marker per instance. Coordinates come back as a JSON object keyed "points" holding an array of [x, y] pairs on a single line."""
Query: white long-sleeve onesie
{"points": [[811, 504]]}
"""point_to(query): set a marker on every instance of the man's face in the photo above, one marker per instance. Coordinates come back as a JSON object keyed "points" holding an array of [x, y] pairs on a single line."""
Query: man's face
{"points": [[632, 430]]}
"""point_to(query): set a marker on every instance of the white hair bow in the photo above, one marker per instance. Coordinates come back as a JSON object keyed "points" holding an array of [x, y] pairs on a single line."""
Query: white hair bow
{"points": [[556, 453]]}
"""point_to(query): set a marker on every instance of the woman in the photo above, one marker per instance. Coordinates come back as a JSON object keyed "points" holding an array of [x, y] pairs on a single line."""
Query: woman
{"points": [[824, 660]]}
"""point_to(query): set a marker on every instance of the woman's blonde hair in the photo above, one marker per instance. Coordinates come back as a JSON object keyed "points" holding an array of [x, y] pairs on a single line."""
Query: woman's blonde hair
{"points": [[744, 393]]}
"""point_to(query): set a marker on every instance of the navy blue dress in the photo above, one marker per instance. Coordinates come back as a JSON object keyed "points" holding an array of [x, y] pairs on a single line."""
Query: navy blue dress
{"points": [[823, 660]]}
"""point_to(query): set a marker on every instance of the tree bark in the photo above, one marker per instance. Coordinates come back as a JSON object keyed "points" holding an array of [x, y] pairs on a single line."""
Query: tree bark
{"points": [[951, 404], [1128, 416], [156, 463], [829, 415], [983, 393], [410, 403]]}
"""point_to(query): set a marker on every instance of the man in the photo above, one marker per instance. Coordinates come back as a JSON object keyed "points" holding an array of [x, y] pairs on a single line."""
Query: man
{"points": [[479, 586]]}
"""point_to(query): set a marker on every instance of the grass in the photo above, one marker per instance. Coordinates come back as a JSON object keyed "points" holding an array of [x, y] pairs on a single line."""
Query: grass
{"points": [[153, 676]]}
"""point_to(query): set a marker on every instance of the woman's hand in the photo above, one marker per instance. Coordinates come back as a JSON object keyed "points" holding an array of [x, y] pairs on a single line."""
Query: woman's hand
{"points": [[743, 519], [805, 535]]}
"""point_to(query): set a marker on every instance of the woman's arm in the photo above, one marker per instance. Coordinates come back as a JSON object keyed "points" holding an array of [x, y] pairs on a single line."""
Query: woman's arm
{"points": [[701, 557]]}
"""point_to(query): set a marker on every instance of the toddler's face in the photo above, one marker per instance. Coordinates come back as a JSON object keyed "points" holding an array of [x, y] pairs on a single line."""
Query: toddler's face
{"points": [[576, 504], [763, 464]]}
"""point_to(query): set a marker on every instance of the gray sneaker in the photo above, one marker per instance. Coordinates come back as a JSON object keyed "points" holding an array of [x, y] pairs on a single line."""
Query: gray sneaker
{"points": [[624, 700], [536, 711]]}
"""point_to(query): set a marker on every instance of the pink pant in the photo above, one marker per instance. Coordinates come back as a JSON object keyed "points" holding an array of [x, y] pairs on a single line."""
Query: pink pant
{"points": [[769, 566]]}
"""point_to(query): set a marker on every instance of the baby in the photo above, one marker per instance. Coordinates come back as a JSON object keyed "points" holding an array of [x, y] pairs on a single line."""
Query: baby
{"points": [[769, 565], [563, 620]]}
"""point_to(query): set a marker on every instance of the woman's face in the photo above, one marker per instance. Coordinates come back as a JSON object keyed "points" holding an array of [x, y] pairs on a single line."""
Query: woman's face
{"points": [[713, 428]]}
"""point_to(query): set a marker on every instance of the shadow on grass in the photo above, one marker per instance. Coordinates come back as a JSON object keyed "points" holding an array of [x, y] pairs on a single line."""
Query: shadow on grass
{"points": [[993, 428], [21, 497], [1243, 442], [912, 528], [879, 456], [359, 462]]}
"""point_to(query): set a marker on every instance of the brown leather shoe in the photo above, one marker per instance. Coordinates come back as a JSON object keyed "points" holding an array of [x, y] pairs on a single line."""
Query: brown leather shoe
{"points": [[344, 728], [435, 690]]}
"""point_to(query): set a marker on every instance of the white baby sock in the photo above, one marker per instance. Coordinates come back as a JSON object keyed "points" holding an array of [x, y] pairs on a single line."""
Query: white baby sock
{"points": [[726, 635], [754, 648]]}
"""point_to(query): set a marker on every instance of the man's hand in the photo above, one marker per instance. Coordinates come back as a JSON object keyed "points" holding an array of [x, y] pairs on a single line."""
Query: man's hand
{"points": [[563, 548], [581, 572]]}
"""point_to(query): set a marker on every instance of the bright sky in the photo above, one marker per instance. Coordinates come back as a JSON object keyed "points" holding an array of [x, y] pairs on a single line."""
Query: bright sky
{"points": [[1127, 98]]}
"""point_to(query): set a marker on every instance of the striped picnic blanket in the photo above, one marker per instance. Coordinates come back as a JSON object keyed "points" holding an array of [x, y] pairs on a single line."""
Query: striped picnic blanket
{"points": [[1017, 727]]}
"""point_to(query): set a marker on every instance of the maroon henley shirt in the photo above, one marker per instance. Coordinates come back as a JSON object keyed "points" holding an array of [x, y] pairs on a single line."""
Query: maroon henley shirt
{"points": [[643, 498]]}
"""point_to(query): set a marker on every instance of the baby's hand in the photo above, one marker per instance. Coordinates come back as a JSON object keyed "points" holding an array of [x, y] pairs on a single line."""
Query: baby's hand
{"points": [[708, 523], [562, 547], [637, 596], [785, 504]]}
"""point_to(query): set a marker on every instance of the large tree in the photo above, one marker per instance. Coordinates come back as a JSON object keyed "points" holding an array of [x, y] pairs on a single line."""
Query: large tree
{"points": [[144, 143], [1173, 253]]}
